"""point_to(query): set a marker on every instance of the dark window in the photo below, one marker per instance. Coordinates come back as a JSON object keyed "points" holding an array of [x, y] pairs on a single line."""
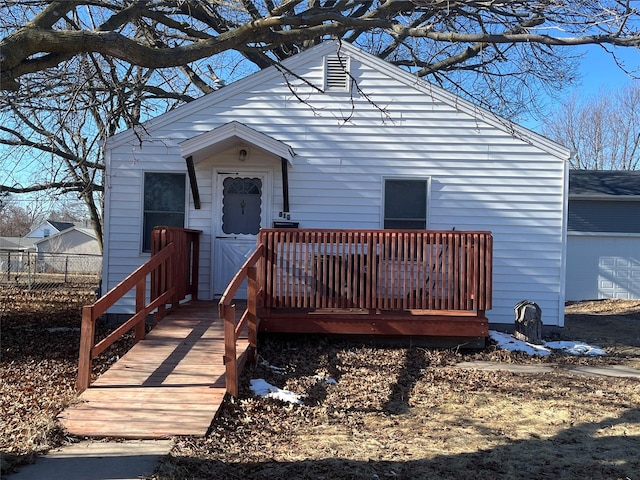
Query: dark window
{"points": [[405, 204], [241, 205], [604, 216], [164, 203]]}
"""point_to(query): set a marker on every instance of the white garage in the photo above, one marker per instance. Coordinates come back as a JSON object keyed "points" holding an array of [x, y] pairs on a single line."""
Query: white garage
{"points": [[603, 238], [603, 266]]}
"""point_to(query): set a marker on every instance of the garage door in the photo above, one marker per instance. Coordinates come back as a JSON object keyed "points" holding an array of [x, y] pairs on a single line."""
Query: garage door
{"points": [[603, 266]]}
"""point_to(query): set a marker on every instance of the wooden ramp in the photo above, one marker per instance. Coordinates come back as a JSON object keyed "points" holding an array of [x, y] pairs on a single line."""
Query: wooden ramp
{"points": [[169, 384]]}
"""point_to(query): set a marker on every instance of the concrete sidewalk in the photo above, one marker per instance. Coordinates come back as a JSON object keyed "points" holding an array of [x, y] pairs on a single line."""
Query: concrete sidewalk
{"points": [[620, 371], [97, 460]]}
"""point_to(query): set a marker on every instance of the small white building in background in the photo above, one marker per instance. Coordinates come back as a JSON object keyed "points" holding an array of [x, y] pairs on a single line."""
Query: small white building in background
{"points": [[344, 141], [603, 252], [74, 240], [48, 228], [75, 249]]}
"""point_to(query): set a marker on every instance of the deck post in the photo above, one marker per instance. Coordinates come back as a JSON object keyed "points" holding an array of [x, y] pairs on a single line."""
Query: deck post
{"points": [[87, 333], [141, 288], [195, 265], [252, 290], [230, 354]]}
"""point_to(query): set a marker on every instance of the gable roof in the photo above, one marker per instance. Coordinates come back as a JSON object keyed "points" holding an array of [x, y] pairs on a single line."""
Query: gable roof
{"points": [[60, 226], [604, 183], [17, 243], [331, 47], [223, 137], [85, 231]]}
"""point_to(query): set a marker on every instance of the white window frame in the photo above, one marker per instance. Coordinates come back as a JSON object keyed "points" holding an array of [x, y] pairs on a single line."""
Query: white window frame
{"points": [[143, 211], [426, 180]]}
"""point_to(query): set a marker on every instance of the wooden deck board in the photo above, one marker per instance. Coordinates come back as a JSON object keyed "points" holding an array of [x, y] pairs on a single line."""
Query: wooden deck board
{"points": [[170, 384]]}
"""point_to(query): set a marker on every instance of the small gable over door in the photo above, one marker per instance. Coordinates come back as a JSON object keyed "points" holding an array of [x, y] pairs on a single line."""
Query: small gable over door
{"points": [[229, 135]]}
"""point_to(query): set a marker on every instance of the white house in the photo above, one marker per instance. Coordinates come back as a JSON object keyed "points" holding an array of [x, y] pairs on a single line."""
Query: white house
{"points": [[75, 249], [74, 240], [48, 228], [339, 139]]}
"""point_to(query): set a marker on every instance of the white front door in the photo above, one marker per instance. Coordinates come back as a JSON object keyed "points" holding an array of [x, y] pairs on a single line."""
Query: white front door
{"points": [[238, 217]]}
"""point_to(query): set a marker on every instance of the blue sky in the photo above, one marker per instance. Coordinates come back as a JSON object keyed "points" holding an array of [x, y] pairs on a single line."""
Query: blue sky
{"points": [[600, 71]]}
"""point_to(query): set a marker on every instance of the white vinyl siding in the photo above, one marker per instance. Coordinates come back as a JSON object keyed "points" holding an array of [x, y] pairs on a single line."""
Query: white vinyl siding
{"points": [[484, 175]]}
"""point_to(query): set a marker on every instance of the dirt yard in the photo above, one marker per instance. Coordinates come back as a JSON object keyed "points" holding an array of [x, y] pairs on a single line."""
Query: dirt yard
{"points": [[611, 324], [367, 412]]}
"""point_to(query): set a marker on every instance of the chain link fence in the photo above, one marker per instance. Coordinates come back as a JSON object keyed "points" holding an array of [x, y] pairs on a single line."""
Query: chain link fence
{"points": [[48, 271]]}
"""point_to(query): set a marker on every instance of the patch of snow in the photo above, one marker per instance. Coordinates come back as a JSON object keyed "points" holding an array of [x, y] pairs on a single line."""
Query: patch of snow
{"points": [[328, 380], [273, 368], [508, 342], [576, 348], [62, 329], [262, 388]]}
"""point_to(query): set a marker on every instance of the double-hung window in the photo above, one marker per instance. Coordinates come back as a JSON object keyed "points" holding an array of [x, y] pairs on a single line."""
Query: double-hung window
{"points": [[164, 203]]}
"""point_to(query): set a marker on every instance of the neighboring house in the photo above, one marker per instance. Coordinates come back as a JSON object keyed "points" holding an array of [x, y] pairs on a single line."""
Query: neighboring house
{"points": [[75, 249], [48, 228], [366, 146], [603, 252], [74, 240]]}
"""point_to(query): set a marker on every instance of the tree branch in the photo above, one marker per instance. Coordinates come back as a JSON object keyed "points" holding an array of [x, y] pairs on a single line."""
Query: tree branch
{"points": [[38, 46]]}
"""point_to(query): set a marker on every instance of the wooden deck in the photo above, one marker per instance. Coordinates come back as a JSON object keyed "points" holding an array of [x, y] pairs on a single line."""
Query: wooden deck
{"points": [[373, 282], [169, 384]]}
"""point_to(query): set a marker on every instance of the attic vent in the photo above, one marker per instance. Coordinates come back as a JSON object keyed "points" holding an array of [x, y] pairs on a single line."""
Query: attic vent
{"points": [[336, 76]]}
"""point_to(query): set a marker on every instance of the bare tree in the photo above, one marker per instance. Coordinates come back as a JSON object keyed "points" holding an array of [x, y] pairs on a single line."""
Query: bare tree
{"points": [[15, 221], [75, 72], [603, 131], [57, 123], [498, 52]]}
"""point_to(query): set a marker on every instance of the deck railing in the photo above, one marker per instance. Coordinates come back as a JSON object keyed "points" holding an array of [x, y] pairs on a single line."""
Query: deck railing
{"points": [[377, 269], [172, 269], [297, 270], [247, 322]]}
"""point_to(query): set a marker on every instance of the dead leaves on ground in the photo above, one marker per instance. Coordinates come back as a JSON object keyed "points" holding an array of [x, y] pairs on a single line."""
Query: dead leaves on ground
{"points": [[392, 413], [409, 413], [40, 337]]}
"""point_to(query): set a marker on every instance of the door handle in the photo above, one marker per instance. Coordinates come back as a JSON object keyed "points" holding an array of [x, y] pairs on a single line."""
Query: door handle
{"points": [[227, 237]]}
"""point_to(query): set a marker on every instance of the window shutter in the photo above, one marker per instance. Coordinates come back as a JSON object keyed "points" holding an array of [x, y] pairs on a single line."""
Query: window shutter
{"points": [[336, 77]]}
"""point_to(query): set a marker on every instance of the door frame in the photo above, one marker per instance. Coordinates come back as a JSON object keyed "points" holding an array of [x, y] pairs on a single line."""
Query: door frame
{"points": [[266, 174]]}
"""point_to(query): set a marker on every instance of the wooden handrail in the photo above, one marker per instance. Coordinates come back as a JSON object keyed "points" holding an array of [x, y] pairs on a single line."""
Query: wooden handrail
{"points": [[170, 282], [233, 327]]}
